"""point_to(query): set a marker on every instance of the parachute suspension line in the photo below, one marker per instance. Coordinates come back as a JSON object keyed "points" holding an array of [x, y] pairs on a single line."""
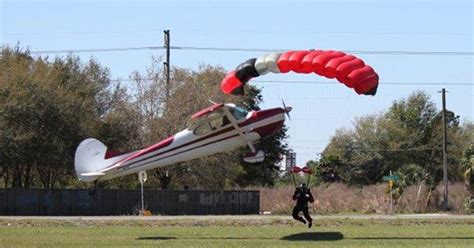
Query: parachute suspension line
{"points": [[293, 179], [306, 170], [308, 178]]}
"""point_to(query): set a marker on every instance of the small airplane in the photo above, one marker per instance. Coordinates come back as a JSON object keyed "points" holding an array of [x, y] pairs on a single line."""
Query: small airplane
{"points": [[218, 128]]}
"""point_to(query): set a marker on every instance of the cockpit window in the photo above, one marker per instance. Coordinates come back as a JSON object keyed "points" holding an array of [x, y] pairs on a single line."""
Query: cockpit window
{"points": [[238, 112], [202, 129], [210, 125], [215, 121]]}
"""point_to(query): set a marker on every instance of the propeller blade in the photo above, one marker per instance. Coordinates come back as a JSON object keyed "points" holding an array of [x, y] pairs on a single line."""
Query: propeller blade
{"points": [[287, 109]]}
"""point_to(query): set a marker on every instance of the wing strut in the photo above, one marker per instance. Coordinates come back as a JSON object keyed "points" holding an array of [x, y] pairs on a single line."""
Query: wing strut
{"points": [[239, 130]]}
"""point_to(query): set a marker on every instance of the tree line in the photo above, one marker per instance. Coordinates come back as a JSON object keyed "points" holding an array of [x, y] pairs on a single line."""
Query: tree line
{"points": [[406, 139]]}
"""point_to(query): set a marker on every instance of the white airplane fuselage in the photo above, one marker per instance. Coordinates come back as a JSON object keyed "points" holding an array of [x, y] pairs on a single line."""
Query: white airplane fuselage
{"points": [[186, 145]]}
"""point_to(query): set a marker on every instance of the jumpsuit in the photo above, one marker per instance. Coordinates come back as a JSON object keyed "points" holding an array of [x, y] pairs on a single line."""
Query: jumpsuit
{"points": [[302, 197]]}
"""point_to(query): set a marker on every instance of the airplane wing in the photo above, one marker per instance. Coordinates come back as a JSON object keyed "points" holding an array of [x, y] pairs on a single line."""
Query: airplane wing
{"points": [[207, 111]]}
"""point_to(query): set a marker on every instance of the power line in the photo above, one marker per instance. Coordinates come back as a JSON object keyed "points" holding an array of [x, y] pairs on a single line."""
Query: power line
{"points": [[384, 83], [240, 31], [231, 49], [93, 50], [234, 49], [331, 83], [396, 149], [379, 52]]}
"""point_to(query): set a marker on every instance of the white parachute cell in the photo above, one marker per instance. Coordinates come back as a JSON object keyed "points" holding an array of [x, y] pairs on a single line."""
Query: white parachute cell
{"points": [[260, 65], [271, 62]]}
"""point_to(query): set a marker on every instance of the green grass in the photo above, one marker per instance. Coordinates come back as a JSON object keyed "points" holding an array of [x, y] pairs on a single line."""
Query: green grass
{"points": [[327, 233]]}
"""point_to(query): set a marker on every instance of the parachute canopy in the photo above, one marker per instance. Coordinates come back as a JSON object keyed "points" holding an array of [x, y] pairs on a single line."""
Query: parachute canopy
{"points": [[347, 69], [305, 170]]}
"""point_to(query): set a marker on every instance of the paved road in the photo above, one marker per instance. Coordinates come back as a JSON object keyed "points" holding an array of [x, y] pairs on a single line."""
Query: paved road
{"points": [[236, 217]]}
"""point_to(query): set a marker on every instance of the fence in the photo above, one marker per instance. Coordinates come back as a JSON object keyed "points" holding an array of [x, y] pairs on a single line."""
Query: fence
{"points": [[67, 202]]}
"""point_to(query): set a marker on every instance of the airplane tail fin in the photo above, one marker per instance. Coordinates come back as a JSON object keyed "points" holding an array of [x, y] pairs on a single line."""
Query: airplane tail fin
{"points": [[91, 158]]}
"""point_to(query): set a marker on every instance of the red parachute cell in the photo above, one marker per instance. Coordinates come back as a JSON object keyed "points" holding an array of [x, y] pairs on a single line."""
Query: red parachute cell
{"points": [[284, 62], [295, 61], [230, 83], [359, 74], [296, 169], [320, 61], [331, 66], [367, 84], [347, 69], [306, 170], [307, 62]]}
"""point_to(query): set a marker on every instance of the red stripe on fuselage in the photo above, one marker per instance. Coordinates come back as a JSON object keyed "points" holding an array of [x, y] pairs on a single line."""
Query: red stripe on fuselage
{"points": [[112, 154], [162, 144], [187, 144], [127, 167]]}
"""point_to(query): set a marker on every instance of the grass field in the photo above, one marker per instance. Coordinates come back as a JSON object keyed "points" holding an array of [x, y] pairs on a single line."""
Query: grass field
{"points": [[221, 233]]}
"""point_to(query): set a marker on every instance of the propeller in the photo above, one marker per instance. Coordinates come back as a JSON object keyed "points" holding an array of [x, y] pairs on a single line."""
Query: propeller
{"points": [[287, 109]]}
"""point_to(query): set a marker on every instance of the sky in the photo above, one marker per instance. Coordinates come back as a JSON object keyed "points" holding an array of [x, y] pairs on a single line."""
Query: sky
{"points": [[318, 109]]}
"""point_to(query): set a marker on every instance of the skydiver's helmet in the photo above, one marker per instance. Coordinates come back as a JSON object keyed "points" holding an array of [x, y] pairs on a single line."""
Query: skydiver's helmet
{"points": [[303, 186]]}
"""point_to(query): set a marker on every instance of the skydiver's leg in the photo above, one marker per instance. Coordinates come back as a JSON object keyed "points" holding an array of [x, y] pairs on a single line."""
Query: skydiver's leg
{"points": [[307, 216], [295, 213]]}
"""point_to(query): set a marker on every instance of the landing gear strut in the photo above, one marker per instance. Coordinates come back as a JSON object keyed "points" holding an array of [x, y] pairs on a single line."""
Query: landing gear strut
{"points": [[95, 187]]}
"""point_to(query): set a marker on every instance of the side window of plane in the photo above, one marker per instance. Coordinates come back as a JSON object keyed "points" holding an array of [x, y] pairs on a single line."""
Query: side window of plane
{"points": [[225, 121], [202, 129], [216, 123]]}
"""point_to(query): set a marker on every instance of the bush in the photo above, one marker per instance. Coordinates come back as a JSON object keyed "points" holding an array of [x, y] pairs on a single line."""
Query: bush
{"points": [[340, 198]]}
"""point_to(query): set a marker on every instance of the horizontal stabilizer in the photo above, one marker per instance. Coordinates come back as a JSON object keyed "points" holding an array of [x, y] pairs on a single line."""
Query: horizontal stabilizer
{"points": [[93, 174]]}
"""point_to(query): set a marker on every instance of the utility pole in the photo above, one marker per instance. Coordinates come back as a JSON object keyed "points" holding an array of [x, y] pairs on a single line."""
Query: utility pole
{"points": [[166, 179], [445, 153], [167, 63]]}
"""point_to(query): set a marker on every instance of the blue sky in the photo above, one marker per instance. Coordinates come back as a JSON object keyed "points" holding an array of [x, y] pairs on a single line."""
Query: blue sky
{"points": [[340, 25]]}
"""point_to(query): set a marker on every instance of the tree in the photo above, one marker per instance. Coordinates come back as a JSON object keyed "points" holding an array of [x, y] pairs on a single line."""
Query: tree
{"points": [[407, 138], [467, 163], [191, 91], [46, 109]]}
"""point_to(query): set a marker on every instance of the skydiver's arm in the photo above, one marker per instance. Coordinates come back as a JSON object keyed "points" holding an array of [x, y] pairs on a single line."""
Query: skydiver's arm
{"points": [[311, 198], [296, 195]]}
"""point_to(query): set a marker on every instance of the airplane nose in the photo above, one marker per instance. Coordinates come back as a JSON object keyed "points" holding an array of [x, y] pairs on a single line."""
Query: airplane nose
{"points": [[287, 111]]}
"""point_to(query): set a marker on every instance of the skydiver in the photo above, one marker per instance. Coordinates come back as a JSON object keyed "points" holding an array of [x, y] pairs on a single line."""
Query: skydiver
{"points": [[302, 196]]}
